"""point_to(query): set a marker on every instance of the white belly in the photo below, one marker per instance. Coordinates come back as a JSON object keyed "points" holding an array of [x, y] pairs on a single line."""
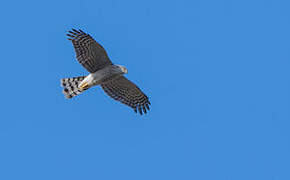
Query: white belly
{"points": [[99, 77]]}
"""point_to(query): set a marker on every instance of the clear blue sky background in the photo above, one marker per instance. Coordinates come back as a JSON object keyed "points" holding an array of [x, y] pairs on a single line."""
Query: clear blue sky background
{"points": [[217, 73]]}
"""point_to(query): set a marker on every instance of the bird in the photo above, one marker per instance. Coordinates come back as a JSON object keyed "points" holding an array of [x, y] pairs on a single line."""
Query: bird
{"points": [[102, 72]]}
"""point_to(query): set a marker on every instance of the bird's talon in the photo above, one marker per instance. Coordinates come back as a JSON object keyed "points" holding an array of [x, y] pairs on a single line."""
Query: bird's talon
{"points": [[84, 86]]}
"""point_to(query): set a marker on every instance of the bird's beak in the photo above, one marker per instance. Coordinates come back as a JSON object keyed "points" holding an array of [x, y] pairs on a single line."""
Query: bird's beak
{"points": [[125, 70]]}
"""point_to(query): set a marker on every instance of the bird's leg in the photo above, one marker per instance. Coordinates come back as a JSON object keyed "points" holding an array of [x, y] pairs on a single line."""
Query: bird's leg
{"points": [[84, 86]]}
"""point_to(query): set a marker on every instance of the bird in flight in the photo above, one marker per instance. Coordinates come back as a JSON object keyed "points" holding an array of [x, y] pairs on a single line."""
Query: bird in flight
{"points": [[93, 57]]}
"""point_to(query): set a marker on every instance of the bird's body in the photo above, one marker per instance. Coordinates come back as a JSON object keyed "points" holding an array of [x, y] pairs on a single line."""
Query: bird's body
{"points": [[102, 72], [102, 76]]}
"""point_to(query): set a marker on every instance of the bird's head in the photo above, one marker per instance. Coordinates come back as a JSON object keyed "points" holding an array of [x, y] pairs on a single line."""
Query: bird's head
{"points": [[123, 69]]}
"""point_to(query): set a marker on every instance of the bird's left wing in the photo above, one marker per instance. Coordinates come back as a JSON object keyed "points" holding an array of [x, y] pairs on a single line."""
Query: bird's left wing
{"points": [[89, 53], [123, 90]]}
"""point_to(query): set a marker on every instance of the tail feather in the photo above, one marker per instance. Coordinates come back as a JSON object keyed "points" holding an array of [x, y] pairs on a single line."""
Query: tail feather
{"points": [[70, 85]]}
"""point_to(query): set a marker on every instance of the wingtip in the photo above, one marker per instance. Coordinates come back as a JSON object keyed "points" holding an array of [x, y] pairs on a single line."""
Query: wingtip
{"points": [[144, 109], [75, 30], [75, 33], [70, 35], [140, 110], [147, 106]]}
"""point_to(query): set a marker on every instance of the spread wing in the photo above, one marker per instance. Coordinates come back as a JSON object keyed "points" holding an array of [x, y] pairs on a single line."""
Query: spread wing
{"points": [[89, 53], [123, 90]]}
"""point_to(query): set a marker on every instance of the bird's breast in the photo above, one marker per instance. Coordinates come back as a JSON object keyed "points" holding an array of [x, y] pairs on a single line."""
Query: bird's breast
{"points": [[103, 76]]}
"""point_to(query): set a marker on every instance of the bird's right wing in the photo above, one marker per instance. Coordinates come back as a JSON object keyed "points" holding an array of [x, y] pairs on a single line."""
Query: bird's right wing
{"points": [[88, 52], [123, 90]]}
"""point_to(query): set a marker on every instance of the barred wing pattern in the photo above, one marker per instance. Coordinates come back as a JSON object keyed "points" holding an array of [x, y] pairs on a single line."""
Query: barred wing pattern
{"points": [[89, 53], [123, 90]]}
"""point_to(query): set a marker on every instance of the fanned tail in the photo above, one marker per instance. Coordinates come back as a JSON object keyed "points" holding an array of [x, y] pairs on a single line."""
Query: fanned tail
{"points": [[70, 85]]}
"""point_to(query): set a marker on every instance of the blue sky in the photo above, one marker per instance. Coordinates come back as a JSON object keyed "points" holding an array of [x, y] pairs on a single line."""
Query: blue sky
{"points": [[217, 74]]}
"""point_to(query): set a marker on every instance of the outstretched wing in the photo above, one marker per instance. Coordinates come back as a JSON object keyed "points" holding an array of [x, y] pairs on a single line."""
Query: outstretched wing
{"points": [[123, 90], [89, 53]]}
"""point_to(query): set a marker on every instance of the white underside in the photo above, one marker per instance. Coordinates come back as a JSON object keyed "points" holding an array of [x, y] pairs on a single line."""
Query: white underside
{"points": [[98, 77], [93, 79]]}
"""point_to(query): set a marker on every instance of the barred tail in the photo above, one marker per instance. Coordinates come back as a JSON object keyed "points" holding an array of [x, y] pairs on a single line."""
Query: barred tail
{"points": [[71, 86]]}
